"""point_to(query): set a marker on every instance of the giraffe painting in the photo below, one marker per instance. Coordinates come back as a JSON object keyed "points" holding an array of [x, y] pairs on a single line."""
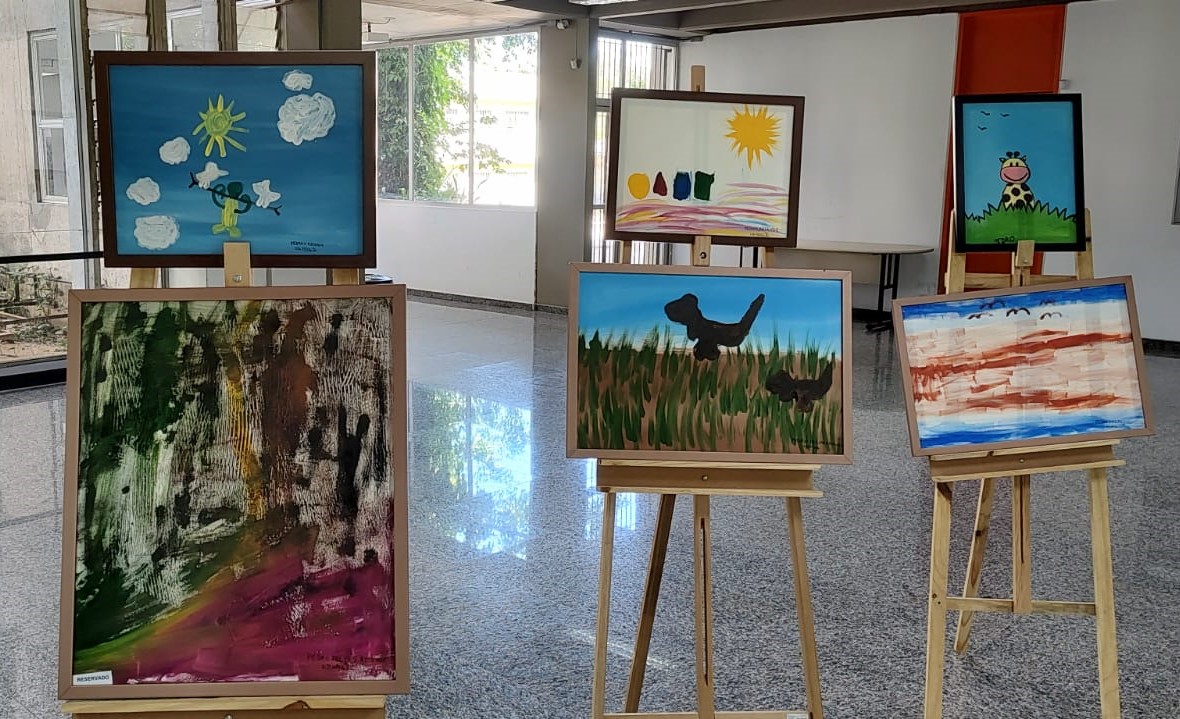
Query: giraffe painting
{"points": [[1026, 133], [1014, 171]]}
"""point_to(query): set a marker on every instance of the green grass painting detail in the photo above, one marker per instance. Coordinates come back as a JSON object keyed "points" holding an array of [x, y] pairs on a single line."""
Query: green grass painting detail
{"points": [[1008, 225], [649, 380]]}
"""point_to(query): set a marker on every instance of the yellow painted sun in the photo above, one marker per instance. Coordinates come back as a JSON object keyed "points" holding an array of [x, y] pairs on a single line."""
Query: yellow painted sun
{"points": [[217, 122], [753, 132]]}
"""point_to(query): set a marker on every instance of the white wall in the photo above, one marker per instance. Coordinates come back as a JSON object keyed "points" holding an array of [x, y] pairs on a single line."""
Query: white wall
{"points": [[1123, 56], [875, 127], [487, 252]]}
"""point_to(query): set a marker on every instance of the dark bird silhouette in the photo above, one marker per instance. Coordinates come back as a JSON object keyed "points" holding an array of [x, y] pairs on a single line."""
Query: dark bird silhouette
{"points": [[1046, 315], [981, 127], [1045, 303], [992, 305], [1003, 114], [985, 112], [1017, 310], [979, 315], [711, 335], [803, 392]]}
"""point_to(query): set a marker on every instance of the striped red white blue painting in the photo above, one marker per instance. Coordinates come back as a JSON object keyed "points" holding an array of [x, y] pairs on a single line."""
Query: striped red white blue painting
{"points": [[1020, 367]]}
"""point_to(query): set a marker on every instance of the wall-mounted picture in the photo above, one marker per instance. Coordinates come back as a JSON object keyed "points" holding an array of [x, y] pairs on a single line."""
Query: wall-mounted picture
{"points": [[273, 149], [700, 363], [1022, 367], [684, 164], [235, 511], [1018, 172]]}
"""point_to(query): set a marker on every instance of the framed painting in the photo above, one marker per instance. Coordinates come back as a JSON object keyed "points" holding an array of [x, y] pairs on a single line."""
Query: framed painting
{"points": [[1022, 367], [277, 149], [684, 164], [709, 364], [235, 506], [1018, 172]]}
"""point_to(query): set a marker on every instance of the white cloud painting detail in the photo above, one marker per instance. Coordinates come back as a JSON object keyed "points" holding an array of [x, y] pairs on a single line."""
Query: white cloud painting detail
{"points": [[175, 151], [145, 191], [156, 232], [1023, 367], [297, 80], [304, 118], [265, 195], [704, 168], [209, 175]]}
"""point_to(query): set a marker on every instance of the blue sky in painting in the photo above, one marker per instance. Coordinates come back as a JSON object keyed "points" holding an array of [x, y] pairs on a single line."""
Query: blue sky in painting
{"points": [[806, 310], [955, 310], [1041, 130], [319, 180]]}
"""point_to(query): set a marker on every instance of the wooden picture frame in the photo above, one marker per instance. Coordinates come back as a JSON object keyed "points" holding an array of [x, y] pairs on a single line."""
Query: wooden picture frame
{"points": [[988, 358], [1039, 194], [298, 570], [743, 219], [794, 413], [160, 209]]}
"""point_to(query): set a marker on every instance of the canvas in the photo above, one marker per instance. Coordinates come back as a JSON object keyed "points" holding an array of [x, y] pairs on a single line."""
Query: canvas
{"points": [[1022, 367], [235, 516], [722, 364], [272, 149], [1018, 172], [692, 163]]}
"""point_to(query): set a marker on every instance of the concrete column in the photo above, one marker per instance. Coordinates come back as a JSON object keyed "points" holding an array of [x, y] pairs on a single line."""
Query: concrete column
{"points": [[321, 25], [564, 154]]}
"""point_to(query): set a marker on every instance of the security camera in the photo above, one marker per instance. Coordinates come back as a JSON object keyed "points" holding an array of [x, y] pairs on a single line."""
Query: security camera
{"points": [[562, 24]]}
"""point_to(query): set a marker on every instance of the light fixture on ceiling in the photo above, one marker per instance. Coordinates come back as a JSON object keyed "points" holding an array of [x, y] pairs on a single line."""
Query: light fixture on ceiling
{"points": [[368, 37]]}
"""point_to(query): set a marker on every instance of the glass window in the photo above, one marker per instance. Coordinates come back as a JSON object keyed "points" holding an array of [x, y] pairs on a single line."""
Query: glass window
{"points": [[47, 114], [505, 88], [393, 123], [442, 121]]}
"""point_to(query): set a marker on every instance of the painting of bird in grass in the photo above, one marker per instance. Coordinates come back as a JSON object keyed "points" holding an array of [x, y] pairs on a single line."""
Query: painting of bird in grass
{"points": [[726, 364]]}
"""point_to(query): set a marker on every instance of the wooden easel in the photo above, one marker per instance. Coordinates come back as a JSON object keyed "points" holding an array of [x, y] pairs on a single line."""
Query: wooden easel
{"points": [[701, 480], [238, 273], [958, 279], [1020, 464]]}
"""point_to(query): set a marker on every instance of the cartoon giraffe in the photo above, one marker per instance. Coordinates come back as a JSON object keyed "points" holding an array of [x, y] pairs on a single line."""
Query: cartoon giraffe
{"points": [[1015, 173]]}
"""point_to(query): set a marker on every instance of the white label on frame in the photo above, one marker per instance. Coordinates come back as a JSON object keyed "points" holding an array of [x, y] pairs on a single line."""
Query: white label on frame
{"points": [[92, 679]]}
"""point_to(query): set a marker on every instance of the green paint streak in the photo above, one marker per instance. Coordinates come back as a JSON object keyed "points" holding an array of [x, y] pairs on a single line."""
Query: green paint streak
{"points": [[1006, 226]]}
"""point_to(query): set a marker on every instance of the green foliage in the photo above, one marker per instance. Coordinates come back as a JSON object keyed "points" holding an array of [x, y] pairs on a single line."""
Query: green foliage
{"points": [[657, 396], [29, 291], [1007, 225]]}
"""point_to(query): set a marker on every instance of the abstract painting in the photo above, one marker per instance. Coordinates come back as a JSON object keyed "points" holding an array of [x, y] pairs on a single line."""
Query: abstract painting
{"points": [[685, 164], [199, 149], [1022, 367], [1018, 172], [726, 364], [235, 517]]}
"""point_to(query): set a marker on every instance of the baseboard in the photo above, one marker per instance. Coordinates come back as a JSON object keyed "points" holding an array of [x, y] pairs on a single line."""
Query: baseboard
{"points": [[1161, 348], [485, 303], [38, 373]]}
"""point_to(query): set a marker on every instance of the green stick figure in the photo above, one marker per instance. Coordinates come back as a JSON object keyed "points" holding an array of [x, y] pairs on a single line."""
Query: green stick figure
{"points": [[230, 197]]}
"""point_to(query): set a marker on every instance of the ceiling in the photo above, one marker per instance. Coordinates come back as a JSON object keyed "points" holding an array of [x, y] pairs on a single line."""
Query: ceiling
{"points": [[672, 18]]}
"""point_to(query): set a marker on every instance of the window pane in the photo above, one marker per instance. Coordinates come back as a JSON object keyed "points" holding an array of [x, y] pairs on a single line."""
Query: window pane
{"points": [[393, 123], [442, 107], [610, 66], [53, 173], [48, 77], [186, 29], [506, 119], [257, 26], [601, 145], [115, 26], [33, 309]]}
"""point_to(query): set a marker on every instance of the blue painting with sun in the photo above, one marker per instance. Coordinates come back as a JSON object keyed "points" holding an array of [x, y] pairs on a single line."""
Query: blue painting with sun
{"points": [[272, 155], [1018, 171], [689, 164]]}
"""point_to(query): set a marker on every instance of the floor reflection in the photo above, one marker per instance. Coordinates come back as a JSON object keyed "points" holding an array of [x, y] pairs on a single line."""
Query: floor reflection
{"points": [[473, 464]]}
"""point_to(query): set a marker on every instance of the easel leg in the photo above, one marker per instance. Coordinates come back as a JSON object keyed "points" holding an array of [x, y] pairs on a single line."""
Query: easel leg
{"points": [[815, 705], [1108, 652], [651, 594], [940, 546], [598, 694], [983, 520], [1021, 544], [703, 560]]}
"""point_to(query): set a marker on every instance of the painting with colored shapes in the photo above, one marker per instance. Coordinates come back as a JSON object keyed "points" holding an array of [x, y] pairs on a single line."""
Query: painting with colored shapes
{"points": [[235, 515], [685, 164], [272, 149], [700, 363], [1018, 172], [1022, 367]]}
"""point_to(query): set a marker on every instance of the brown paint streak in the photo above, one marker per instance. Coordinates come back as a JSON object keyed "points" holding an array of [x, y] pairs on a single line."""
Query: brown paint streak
{"points": [[1021, 354]]}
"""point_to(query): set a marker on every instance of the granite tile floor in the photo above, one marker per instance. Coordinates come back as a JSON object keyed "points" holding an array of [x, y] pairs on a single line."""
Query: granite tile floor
{"points": [[504, 561]]}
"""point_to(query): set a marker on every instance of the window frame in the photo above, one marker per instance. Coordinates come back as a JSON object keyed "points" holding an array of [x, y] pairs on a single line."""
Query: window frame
{"points": [[40, 162]]}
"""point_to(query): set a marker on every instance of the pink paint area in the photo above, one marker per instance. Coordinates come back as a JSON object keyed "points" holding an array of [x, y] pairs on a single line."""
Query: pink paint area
{"points": [[741, 209], [283, 621], [1014, 173]]}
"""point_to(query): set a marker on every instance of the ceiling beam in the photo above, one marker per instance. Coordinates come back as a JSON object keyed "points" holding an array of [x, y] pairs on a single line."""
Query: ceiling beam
{"points": [[649, 7], [552, 8]]}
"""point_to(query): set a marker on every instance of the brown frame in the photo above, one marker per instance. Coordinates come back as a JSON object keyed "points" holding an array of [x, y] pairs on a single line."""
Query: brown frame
{"points": [[397, 445], [104, 59], [907, 379], [571, 440], [795, 102]]}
